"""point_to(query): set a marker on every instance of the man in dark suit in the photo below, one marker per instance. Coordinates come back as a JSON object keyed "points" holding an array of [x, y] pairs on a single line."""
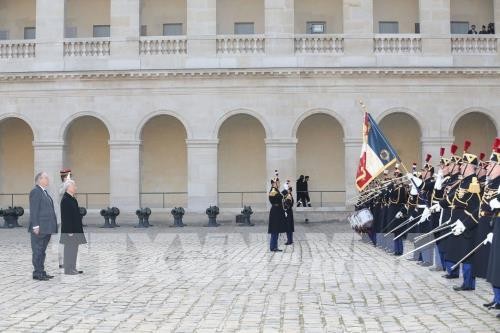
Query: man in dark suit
{"points": [[43, 223]]}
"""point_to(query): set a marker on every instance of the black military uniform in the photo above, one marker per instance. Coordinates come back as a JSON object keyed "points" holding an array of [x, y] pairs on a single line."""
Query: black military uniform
{"points": [[485, 226], [288, 207], [466, 212], [276, 216]]}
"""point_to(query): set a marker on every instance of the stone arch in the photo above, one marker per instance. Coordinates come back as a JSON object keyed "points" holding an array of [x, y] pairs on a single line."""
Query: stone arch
{"points": [[25, 119], [69, 121], [235, 112], [311, 112], [152, 115], [488, 113], [478, 127]]}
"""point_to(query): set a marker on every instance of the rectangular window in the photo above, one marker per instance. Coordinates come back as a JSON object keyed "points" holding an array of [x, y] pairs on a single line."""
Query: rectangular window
{"points": [[316, 27], [144, 30], [4, 34], [388, 27], [172, 29], [29, 33], [101, 31], [244, 28], [459, 27], [70, 32], [417, 28]]}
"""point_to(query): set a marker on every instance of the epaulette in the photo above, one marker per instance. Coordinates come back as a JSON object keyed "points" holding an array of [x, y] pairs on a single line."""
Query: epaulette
{"points": [[474, 186], [273, 192]]}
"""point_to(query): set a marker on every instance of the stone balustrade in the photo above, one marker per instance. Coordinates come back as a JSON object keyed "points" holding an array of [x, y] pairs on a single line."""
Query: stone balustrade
{"points": [[397, 44], [86, 47], [241, 44], [17, 49], [330, 44], [163, 45], [474, 44]]}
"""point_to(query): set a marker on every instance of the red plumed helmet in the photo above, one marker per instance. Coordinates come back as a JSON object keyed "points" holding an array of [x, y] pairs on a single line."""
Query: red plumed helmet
{"points": [[454, 149], [481, 156], [441, 152], [467, 144], [428, 158], [496, 143]]}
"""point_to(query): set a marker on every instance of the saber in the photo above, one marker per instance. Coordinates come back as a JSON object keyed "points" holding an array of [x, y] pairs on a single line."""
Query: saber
{"points": [[427, 244], [404, 232], [437, 229], [390, 224], [468, 255], [409, 220]]}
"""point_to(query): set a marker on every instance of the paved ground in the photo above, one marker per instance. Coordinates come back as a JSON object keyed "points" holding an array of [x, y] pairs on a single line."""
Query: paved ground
{"points": [[223, 279]]}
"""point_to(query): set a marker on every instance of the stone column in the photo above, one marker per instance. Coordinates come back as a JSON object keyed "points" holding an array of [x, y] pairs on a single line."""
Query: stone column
{"points": [[358, 31], [49, 34], [279, 27], [202, 174], [201, 33], [124, 174], [352, 154], [435, 23], [281, 155], [49, 158], [125, 30]]}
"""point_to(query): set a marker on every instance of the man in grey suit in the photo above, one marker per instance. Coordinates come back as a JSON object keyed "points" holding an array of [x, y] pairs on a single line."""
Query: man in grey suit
{"points": [[43, 223]]}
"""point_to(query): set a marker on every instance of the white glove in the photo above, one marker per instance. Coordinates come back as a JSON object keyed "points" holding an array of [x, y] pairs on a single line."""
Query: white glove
{"points": [[439, 181], [459, 228], [489, 239], [425, 215], [399, 215], [413, 190], [494, 204], [436, 208], [415, 180]]}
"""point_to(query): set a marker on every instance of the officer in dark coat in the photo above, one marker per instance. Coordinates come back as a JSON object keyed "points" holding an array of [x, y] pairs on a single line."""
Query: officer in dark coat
{"points": [[486, 215], [300, 191], [71, 227], [465, 216], [288, 207], [445, 209], [397, 199], [277, 222], [493, 273]]}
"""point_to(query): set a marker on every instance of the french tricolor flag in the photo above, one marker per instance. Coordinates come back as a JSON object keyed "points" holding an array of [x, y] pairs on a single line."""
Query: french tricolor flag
{"points": [[377, 154]]}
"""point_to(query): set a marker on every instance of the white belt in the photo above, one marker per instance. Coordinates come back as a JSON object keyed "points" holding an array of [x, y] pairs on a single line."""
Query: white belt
{"points": [[421, 206]]}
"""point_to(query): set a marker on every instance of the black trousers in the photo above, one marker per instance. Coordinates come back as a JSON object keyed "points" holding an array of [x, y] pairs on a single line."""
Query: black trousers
{"points": [[39, 245], [70, 254]]}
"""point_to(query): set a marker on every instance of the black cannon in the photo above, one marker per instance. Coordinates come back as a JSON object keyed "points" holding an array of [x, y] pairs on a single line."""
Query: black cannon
{"points": [[110, 215], [212, 213], [11, 216], [83, 212], [178, 213], [245, 216], [143, 215]]}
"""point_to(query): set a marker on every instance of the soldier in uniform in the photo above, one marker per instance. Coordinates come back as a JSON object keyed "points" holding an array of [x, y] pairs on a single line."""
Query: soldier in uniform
{"points": [[276, 214], [493, 273], [465, 216], [300, 191], [442, 178], [444, 207], [288, 207], [486, 214], [426, 190], [397, 200]]}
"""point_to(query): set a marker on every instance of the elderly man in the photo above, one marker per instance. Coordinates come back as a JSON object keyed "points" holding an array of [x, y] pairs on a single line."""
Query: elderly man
{"points": [[43, 223]]}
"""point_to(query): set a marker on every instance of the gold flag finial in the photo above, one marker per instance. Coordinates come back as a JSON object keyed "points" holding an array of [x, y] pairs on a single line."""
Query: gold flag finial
{"points": [[362, 105]]}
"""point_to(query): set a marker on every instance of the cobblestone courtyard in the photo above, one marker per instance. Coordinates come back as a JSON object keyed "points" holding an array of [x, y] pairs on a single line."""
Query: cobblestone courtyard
{"points": [[224, 279]]}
